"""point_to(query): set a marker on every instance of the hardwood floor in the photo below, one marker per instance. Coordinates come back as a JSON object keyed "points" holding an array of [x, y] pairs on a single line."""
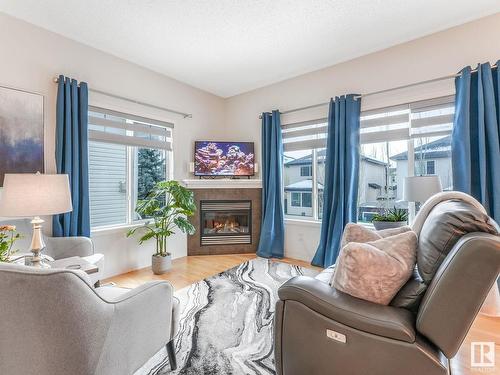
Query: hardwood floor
{"points": [[188, 270]]}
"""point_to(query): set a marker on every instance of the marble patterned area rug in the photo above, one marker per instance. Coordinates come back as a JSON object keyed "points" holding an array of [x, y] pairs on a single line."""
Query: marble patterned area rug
{"points": [[226, 322]]}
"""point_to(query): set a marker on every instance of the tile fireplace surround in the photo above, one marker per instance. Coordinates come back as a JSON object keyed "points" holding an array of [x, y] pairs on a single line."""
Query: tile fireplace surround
{"points": [[225, 231]]}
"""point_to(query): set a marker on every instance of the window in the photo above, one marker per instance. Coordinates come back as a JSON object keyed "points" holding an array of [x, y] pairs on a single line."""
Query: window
{"points": [[306, 171], [296, 200], [401, 141], [306, 199], [303, 172], [127, 156], [425, 167], [430, 167], [396, 142]]}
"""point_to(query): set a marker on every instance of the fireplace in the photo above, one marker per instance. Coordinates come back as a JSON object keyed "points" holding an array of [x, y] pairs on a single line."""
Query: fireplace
{"points": [[225, 216], [225, 222]]}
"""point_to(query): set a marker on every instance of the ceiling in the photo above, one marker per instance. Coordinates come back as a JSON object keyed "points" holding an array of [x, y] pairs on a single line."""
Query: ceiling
{"points": [[231, 46]]}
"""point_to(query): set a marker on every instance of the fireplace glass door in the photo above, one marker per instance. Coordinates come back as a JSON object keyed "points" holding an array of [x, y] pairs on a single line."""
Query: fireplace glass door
{"points": [[225, 222]]}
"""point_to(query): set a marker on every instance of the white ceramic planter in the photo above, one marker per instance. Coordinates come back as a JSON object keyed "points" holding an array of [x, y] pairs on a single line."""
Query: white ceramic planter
{"points": [[160, 264], [379, 225]]}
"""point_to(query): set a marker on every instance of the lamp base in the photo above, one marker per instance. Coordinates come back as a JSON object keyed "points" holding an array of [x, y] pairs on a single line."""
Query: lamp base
{"points": [[40, 262], [37, 245]]}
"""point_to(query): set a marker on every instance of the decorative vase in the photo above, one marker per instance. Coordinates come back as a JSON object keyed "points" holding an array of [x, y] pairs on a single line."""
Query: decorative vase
{"points": [[379, 225], [161, 264]]}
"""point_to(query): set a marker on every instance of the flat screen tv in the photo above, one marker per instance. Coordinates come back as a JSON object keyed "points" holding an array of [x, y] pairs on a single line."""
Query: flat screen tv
{"points": [[213, 158]]}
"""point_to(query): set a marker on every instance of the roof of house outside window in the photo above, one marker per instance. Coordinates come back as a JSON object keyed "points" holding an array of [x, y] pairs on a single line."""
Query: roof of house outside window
{"points": [[305, 186], [307, 160], [440, 148]]}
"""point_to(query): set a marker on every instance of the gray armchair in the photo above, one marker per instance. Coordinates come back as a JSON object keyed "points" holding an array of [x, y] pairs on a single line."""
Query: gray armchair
{"points": [[54, 322], [59, 247], [319, 330]]}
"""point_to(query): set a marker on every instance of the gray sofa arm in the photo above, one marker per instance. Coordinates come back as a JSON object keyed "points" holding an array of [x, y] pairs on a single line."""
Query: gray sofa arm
{"points": [[141, 325], [387, 321], [65, 247]]}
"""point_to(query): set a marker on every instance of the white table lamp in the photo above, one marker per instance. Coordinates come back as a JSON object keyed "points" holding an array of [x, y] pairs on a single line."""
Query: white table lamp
{"points": [[34, 195], [421, 188]]}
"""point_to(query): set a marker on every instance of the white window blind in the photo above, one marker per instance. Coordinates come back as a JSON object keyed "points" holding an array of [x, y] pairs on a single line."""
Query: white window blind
{"points": [[125, 129], [426, 118], [432, 117], [304, 135]]}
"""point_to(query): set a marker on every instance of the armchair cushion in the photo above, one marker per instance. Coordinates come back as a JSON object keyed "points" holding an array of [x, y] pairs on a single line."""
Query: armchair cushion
{"points": [[386, 321]]}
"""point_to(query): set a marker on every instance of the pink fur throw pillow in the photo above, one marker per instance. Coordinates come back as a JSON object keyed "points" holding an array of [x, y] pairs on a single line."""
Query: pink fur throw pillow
{"points": [[354, 232], [376, 270]]}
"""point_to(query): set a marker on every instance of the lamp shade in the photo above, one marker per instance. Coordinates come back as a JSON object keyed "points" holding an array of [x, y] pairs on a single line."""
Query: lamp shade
{"points": [[37, 194], [421, 188]]}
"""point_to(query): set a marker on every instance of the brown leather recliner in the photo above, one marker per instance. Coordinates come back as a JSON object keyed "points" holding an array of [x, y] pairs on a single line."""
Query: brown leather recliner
{"points": [[319, 330]]}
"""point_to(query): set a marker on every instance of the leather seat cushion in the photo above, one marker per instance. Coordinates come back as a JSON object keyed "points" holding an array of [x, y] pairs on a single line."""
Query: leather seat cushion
{"points": [[445, 225]]}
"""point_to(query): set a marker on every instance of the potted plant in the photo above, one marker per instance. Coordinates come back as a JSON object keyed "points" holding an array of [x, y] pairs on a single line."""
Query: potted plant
{"points": [[8, 236], [168, 206], [390, 218]]}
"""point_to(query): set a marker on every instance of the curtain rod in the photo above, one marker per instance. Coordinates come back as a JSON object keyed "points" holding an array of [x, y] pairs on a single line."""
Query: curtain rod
{"points": [[185, 115], [380, 91]]}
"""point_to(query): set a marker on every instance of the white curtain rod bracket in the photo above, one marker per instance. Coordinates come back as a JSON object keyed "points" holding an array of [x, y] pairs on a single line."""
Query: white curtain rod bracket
{"points": [[183, 114]]}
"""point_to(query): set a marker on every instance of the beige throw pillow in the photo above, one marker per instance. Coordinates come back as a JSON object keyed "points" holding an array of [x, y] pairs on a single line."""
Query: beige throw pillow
{"points": [[354, 232], [376, 270]]}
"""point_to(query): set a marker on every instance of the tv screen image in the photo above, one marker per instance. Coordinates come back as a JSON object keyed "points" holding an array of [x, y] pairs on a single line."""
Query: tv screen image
{"points": [[224, 158]]}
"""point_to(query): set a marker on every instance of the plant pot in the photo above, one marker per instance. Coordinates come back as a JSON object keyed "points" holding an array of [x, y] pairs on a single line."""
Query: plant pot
{"points": [[379, 225], [161, 264]]}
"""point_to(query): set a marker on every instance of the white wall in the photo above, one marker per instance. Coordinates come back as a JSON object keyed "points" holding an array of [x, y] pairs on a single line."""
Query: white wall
{"points": [[434, 56], [31, 57]]}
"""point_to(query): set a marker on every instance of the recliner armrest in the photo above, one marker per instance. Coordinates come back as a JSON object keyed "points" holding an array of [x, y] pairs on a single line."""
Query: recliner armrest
{"points": [[392, 322]]}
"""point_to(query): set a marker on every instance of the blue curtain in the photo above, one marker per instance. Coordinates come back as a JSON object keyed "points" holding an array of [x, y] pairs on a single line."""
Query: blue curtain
{"points": [[272, 231], [72, 155], [476, 136], [340, 195]]}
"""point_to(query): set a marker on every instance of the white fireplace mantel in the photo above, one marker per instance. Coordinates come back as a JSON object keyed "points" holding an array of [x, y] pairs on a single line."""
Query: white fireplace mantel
{"points": [[225, 183]]}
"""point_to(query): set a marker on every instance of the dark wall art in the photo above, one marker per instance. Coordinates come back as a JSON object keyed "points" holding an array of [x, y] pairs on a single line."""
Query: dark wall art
{"points": [[21, 132]]}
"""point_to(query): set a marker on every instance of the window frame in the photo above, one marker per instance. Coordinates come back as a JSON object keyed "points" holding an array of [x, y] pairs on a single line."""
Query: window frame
{"points": [[298, 195], [305, 193], [409, 113], [309, 171], [131, 173], [314, 193], [433, 167]]}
